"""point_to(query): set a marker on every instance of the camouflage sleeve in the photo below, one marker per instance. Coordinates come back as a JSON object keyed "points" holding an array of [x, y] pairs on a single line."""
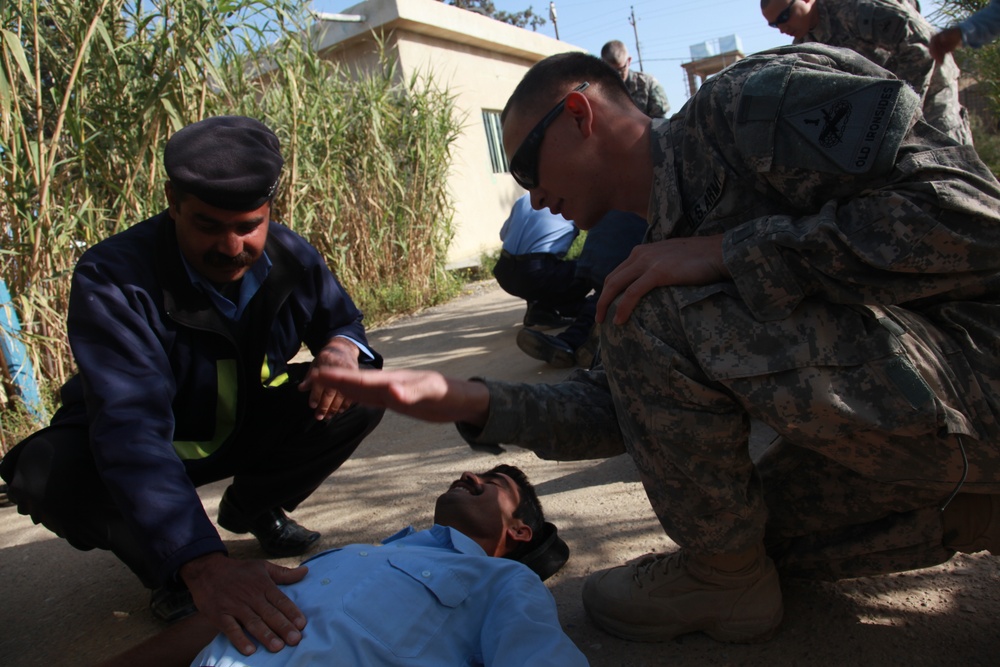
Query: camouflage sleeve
{"points": [[570, 421], [873, 208], [907, 38], [657, 106]]}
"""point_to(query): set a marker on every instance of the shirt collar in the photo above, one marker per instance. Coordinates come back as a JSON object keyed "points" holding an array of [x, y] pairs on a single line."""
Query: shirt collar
{"points": [[442, 535], [249, 285]]}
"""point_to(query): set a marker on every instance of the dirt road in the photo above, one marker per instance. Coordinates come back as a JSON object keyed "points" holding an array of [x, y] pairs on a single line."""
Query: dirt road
{"points": [[61, 606]]}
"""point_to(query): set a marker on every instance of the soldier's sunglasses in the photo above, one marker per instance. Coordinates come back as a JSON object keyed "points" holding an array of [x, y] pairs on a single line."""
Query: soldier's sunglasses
{"points": [[524, 163], [783, 16]]}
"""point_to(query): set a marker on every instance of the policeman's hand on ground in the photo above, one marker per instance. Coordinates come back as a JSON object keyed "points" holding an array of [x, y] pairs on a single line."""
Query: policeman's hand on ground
{"points": [[695, 260], [242, 597], [425, 395], [327, 401], [944, 43]]}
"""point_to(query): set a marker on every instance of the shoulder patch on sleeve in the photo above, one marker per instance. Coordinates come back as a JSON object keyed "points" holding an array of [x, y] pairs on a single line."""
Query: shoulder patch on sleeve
{"points": [[850, 129]]}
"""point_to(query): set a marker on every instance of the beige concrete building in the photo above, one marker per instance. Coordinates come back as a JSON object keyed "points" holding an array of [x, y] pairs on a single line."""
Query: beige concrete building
{"points": [[480, 61]]}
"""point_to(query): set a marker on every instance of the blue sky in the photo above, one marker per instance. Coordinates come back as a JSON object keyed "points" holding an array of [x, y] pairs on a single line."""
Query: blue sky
{"points": [[666, 29]]}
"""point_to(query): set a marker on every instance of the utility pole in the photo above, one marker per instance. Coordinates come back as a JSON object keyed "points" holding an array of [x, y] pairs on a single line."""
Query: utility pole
{"points": [[552, 15], [638, 51]]}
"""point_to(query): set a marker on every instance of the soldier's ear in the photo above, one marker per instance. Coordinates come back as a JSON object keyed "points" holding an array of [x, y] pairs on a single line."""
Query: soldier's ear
{"points": [[579, 107]]}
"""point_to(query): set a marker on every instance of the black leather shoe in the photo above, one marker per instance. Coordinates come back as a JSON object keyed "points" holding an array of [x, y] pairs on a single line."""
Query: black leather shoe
{"points": [[539, 316], [279, 536], [550, 349], [171, 603]]}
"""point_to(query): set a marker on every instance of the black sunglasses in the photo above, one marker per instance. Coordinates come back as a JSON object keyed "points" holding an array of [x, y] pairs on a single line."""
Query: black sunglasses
{"points": [[524, 164], [783, 16]]}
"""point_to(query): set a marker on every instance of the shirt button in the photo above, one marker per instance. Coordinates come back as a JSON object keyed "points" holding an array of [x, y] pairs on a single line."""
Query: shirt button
{"points": [[362, 553], [324, 581], [425, 574]]}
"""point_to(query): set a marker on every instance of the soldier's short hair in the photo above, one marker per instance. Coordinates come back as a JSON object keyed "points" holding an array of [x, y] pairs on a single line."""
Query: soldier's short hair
{"points": [[559, 73], [614, 53]]}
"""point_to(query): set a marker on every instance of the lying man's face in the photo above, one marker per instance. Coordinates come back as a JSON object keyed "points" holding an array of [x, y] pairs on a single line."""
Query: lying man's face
{"points": [[481, 507]]}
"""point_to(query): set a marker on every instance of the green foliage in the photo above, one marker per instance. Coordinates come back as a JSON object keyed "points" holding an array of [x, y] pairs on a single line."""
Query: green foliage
{"points": [[90, 90], [18, 422], [522, 19], [987, 145]]}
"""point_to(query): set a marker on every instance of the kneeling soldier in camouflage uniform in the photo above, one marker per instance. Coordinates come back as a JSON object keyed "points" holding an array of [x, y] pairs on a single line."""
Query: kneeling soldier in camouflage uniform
{"points": [[820, 260]]}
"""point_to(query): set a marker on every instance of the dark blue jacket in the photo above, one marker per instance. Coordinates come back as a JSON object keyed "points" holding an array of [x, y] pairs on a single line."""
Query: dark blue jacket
{"points": [[164, 377]]}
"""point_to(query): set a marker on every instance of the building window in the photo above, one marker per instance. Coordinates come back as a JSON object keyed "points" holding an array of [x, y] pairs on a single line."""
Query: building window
{"points": [[494, 139]]}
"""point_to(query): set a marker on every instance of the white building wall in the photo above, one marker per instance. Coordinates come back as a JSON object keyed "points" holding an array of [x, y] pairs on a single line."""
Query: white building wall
{"points": [[479, 61]]}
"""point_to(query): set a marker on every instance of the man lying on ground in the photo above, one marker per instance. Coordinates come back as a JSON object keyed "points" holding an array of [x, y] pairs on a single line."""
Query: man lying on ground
{"points": [[453, 594]]}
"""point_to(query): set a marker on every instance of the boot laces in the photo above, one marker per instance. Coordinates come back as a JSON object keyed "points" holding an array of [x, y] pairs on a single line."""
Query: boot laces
{"points": [[648, 567]]}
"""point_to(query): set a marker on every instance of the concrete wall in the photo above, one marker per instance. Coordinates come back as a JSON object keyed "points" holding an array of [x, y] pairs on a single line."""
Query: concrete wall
{"points": [[479, 61], [479, 80]]}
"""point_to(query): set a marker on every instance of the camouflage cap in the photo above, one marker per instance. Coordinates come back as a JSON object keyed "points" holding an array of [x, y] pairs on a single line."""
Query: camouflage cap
{"points": [[231, 162]]}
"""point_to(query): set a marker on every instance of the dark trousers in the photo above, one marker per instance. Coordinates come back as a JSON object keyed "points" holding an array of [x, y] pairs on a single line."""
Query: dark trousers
{"points": [[279, 457], [543, 278], [608, 244]]}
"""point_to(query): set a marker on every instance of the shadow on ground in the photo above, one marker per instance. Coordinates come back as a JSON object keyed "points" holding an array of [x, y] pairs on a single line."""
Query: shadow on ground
{"points": [[59, 605]]}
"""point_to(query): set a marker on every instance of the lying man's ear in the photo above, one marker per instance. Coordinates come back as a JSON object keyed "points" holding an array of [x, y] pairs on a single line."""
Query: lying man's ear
{"points": [[519, 532]]}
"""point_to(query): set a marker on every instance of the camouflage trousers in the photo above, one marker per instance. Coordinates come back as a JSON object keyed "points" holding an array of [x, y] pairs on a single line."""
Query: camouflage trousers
{"points": [[865, 402]]}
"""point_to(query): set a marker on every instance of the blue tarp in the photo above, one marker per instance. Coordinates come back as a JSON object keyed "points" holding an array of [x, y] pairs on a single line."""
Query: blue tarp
{"points": [[15, 355]]}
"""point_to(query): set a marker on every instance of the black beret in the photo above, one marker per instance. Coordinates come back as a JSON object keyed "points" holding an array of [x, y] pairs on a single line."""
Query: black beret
{"points": [[549, 554], [231, 162]]}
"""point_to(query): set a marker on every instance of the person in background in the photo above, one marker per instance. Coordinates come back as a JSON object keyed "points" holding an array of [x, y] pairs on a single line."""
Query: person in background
{"points": [[975, 31], [891, 34], [533, 265], [644, 89]]}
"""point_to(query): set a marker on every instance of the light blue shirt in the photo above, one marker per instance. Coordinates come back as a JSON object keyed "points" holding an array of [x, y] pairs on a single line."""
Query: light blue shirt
{"points": [[527, 230], [431, 598], [982, 27]]}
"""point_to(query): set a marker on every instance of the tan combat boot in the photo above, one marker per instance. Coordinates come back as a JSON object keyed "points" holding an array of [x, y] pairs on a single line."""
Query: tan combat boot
{"points": [[659, 596]]}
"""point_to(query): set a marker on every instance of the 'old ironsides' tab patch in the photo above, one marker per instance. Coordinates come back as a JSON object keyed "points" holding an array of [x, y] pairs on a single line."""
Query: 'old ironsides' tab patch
{"points": [[849, 129]]}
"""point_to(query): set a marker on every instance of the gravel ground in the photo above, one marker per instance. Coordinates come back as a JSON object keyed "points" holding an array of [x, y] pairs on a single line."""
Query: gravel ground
{"points": [[59, 605]]}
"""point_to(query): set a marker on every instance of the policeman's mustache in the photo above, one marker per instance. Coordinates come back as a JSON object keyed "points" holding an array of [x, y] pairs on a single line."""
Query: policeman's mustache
{"points": [[221, 261]]}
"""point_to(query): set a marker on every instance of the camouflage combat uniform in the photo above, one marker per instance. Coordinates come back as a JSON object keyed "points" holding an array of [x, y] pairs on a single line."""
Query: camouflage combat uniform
{"points": [[861, 324], [896, 36], [647, 93]]}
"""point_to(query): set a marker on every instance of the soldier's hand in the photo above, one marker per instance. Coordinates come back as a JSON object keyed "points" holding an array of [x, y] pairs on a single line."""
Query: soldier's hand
{"points": [[327, 401], [242, 597], [425, 395], [695, 260]]}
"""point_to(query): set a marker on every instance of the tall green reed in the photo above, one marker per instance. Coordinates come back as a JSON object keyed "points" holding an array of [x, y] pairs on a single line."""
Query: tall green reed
{"points": [[90, 91]]}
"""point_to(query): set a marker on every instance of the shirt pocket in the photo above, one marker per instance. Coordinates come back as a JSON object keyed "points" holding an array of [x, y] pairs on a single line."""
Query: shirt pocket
{"points": [[405, 609]]}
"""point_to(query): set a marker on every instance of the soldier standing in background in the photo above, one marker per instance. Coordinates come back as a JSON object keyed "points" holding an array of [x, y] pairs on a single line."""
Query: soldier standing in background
{"points": [[893, 35]]}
